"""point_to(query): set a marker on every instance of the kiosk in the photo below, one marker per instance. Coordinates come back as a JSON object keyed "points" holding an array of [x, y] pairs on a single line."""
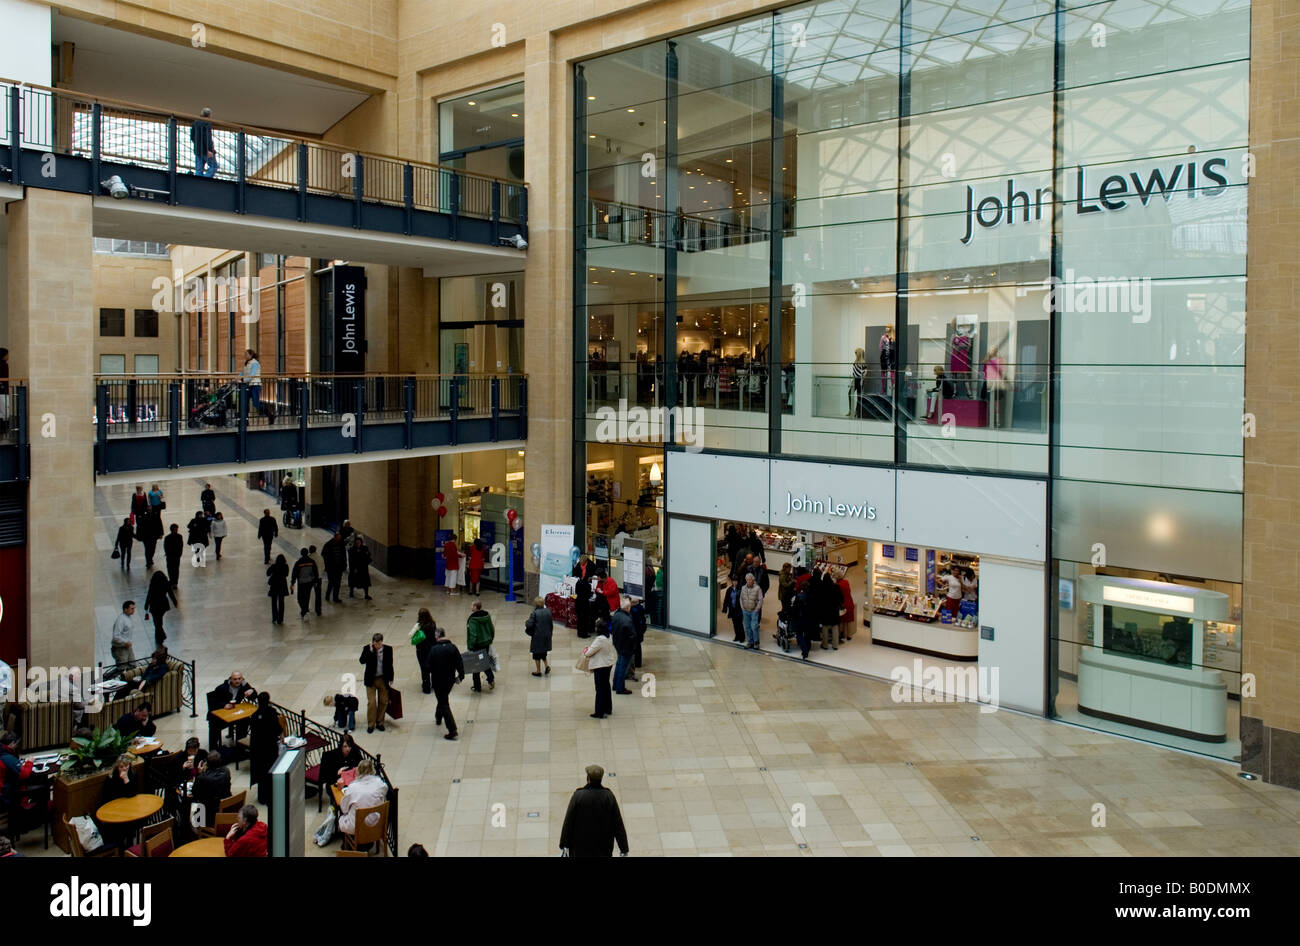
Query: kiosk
{"points": [[1143, 660]]}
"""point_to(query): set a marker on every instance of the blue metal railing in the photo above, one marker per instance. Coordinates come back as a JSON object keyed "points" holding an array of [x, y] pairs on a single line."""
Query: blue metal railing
{"points": [[305, 415], [36, 118]]}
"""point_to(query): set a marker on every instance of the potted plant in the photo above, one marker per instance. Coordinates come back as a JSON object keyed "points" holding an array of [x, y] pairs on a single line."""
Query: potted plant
{"points": [[87, 756]]}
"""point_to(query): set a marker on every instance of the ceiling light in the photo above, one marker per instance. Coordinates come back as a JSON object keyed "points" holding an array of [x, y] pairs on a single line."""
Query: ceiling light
{"points": [[514, 114], [591, 136], [591, 98], [471, 103], [631, 110], [728, 160]]}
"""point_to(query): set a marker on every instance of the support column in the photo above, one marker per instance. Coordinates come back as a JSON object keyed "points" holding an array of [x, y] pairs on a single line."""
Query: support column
{"points": [[1270, 722], [52, 341], [548, 330]]}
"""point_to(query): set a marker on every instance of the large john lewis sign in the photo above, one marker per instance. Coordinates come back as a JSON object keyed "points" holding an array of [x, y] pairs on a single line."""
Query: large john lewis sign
{"points": [[1119, 189]]}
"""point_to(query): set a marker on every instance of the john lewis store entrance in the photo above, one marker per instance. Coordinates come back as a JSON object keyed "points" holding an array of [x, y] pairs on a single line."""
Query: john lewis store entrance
{"points": [[921, 588]]}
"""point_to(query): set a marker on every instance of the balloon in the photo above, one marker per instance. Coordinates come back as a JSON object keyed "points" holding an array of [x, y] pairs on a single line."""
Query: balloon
{"points": [[518, 524], [440, 498], [442, 510], [510, 514]]}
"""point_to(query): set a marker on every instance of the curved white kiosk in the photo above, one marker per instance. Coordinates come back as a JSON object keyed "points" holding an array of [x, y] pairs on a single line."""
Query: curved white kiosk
{"points": [[1144, 661]]}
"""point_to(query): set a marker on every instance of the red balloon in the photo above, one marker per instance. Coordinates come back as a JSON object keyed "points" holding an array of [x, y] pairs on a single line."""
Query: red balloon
{"points": [[441, 498], [442, 510], [510, 514]]}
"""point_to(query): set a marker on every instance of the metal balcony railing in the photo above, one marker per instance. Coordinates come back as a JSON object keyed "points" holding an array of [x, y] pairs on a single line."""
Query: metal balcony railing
{"points": [[107, 132]]}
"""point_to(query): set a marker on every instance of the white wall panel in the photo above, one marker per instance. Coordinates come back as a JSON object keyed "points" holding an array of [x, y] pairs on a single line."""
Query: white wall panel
{"points": [[983, 514], [717, 487]]}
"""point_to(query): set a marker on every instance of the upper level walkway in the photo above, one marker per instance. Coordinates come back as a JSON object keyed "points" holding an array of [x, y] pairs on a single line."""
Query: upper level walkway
{"points": [[151, 425], [264, 191]]}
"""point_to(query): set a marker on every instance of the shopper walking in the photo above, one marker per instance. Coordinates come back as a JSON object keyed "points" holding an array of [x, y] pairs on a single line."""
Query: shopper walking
{"points": [[123, 634], [751, 606], [156, 603], [267, 531], [593, 824], [600, 660], [157, 502], [801, 617], [334, 556], [451, 566], [540, 627], [731, 608], [123, 544], [479, 635], [208, 500], [149, 529], [197, 539], [218, 532], [446, 669], [205, 149], [277, 580], [304, 577], [624, 638], [785, 586], [173, 549], [423, 637], [139, 504], [475, 567], [359, 568], [378, 661]]}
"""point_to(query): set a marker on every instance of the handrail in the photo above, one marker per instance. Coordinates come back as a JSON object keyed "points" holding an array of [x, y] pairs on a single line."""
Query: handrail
{"points": [[255, 129], [186, 668], [229, 376]]}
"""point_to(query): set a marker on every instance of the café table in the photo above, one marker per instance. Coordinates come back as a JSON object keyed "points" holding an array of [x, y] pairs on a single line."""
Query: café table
{"points": [[204, 847], [129, 811], [232, 715], [149, 748]]}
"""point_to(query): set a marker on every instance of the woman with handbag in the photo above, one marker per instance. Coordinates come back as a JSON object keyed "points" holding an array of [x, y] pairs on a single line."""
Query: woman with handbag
{"points": [[423, 637], [540, 627], [598, 658]]}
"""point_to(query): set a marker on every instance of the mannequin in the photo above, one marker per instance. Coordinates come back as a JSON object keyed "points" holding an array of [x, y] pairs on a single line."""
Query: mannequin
{"points": [[888, 361], [858, 389], [995, 370], [960, 356]]}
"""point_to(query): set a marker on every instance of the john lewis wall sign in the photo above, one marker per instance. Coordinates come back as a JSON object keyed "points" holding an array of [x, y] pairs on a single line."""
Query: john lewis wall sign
{"points": [[349, 285], [1012, 205]]}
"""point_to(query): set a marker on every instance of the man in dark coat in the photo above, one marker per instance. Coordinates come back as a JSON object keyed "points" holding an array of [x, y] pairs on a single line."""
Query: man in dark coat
{"points": [[211, 786], [205, 149], [593, 822], [446, 668], [334, 555], [173, 549], [377, 659], [305, 577], [148, 529], [137, 722], [623, 630], [225, 695], [267, 530]]}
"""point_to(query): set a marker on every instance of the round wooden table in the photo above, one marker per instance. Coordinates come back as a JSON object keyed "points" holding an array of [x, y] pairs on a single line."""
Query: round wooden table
{"points": [[156, 746], [205, 847], [236, 713], [127, 810]]}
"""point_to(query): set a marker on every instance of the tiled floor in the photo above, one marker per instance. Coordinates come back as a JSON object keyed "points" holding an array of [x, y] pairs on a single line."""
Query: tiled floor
{"points": [[730, 752]]}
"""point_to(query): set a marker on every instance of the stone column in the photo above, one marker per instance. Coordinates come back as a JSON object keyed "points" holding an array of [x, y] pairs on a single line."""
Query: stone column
{"points": [[548, 327], [52, 343], [1270, 722]]}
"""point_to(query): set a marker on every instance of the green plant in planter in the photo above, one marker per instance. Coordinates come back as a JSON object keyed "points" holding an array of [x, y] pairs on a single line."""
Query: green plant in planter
{"points": [[86, 756]]}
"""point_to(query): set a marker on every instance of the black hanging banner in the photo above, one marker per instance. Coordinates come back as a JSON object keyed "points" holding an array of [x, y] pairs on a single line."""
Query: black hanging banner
{"points": [[349, 320]]}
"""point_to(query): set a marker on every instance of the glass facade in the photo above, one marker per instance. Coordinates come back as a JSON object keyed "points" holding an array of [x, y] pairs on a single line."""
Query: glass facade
{"points": [[934, 235]]}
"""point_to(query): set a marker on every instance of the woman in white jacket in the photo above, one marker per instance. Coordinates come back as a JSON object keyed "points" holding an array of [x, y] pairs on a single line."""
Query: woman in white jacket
{"points": [[219, 530], [600, 658], [366, 791]]}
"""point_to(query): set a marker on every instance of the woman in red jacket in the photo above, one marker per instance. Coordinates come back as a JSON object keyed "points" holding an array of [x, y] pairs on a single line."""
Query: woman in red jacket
{"points": [[247, 838], [609, 588], [846, 619], [475, 567]]}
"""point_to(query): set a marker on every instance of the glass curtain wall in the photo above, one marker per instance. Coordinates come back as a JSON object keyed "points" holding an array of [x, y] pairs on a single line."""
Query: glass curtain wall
{"points": [[1151, 332], [934, 235]]}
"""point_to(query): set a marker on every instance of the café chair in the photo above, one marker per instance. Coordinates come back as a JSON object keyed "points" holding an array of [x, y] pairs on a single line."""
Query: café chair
{"points": [[365, 834], [155, 840], [74, 842], [232, 802], [222, 822]]}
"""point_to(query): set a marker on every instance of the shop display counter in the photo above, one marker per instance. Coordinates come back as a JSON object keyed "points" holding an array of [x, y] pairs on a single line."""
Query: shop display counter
{"points": [[928, 637], [1186, 701]]}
